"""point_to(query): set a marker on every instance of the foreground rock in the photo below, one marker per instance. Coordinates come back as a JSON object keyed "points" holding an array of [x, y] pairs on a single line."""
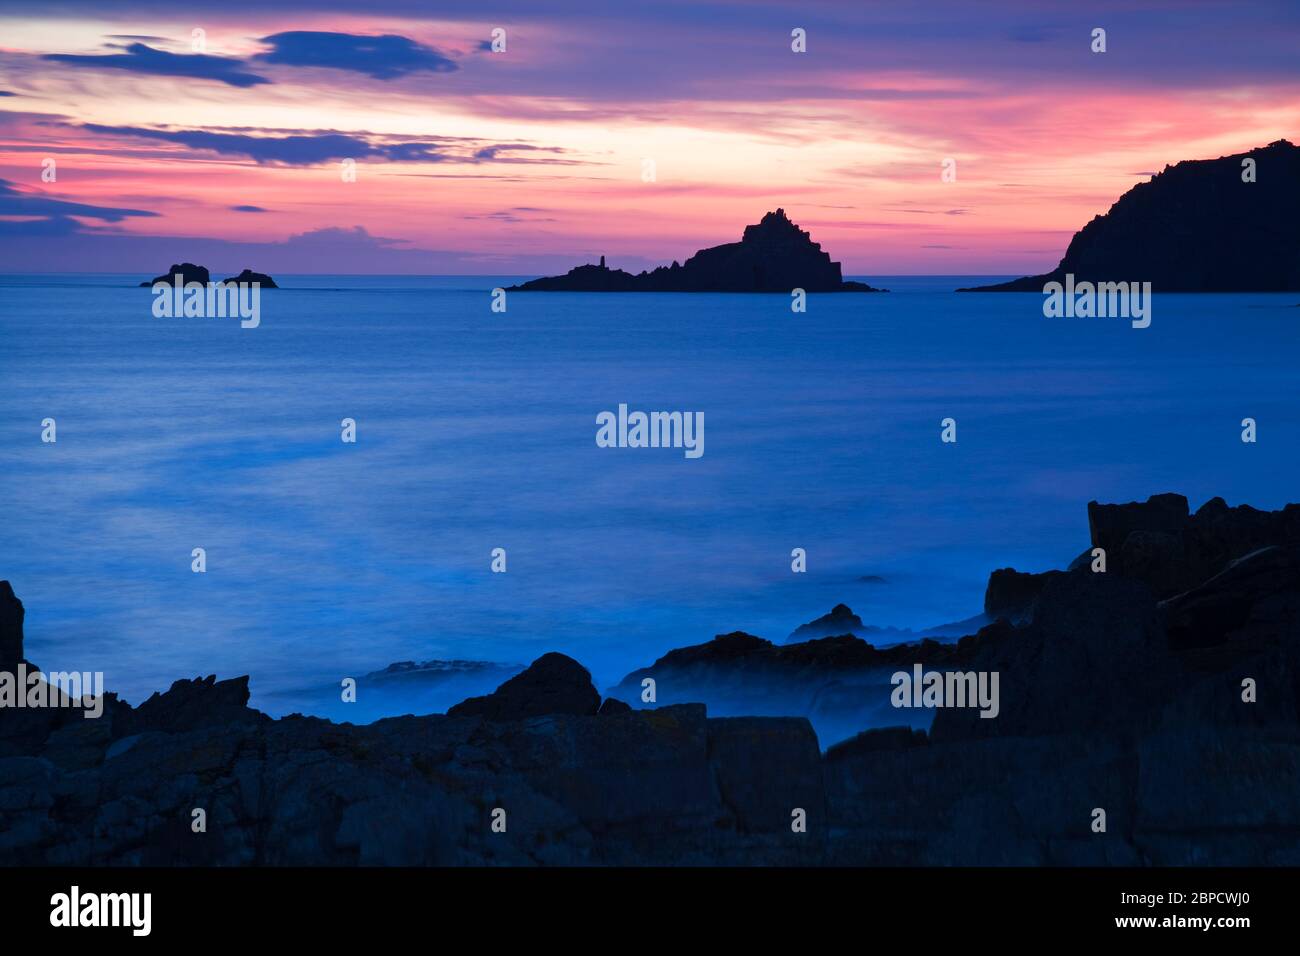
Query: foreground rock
{"points": [[841, 684], [773, 256], [1195, 227], [11, 626], [554, 684], [664, 787], [1179, 717], [1249, 602], [1162, 544], [1011, 594]]}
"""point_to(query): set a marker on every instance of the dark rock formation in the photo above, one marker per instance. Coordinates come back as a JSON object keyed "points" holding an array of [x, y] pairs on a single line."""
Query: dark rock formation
{"points": [[668, 786], [1195, 227], [840, 620], [1160, 543], [249, 277], [773, 256], [840, 683], [1091, 650], [194, 704], [1011, 593], [188, 272], [730, 655], [1179, 718], [553, 684], [876, 739], [11, 626], [1251, 597], [27, 731]]}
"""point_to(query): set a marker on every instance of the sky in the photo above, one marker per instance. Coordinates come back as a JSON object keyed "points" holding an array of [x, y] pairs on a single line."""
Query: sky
{"points": [[137, 133]]}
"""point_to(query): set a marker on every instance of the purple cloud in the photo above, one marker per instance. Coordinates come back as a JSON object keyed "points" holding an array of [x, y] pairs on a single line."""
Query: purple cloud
{"points": [[141, 58], [46, 216], [385, 57], [17, 202], [299, 149], [308, 148]]}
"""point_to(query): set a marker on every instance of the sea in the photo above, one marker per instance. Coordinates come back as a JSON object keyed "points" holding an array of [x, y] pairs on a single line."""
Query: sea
{"points": [[475, 430]]}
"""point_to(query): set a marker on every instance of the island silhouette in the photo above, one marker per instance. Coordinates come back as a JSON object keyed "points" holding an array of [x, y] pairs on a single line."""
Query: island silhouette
{"points": [[189, 272], [774, 255], [1203, 225]]}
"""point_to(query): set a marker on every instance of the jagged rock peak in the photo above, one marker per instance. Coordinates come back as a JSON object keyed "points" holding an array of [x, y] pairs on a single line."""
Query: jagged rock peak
{"points": [[552, 684], [775, 225]]}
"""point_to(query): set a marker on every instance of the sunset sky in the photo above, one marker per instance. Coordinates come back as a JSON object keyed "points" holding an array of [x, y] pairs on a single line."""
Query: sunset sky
{"points": [[530, 161]]}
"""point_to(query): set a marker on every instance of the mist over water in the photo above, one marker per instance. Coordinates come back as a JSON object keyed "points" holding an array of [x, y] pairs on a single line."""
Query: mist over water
{"points": [[477, 430]]}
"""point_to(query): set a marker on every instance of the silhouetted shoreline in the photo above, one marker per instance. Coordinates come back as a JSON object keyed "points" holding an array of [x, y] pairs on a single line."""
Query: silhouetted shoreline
{"points": [[1173, 672]]}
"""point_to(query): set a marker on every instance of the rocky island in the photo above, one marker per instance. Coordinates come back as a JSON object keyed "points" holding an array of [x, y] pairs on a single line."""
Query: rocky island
{"points": [[1164, 691], [774, 255], [189, 272], [249, 277], [1211, 225]]}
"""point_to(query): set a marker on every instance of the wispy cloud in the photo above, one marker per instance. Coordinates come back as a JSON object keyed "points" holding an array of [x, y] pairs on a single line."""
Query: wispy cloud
{"points": [[36, 214], [142, 58], [312, 147], [514, 215], [384, 57]]}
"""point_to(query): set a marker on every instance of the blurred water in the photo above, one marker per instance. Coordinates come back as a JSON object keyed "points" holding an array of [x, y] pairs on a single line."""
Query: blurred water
{"points": [[477, 430]]}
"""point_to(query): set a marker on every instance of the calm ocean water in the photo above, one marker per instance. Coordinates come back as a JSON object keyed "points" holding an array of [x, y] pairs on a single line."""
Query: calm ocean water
{"points": [[477, 430]]}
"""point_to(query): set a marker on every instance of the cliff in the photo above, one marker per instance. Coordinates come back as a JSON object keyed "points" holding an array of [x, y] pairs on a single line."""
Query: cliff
{"points": [[774, 255], [1194, 227]]}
